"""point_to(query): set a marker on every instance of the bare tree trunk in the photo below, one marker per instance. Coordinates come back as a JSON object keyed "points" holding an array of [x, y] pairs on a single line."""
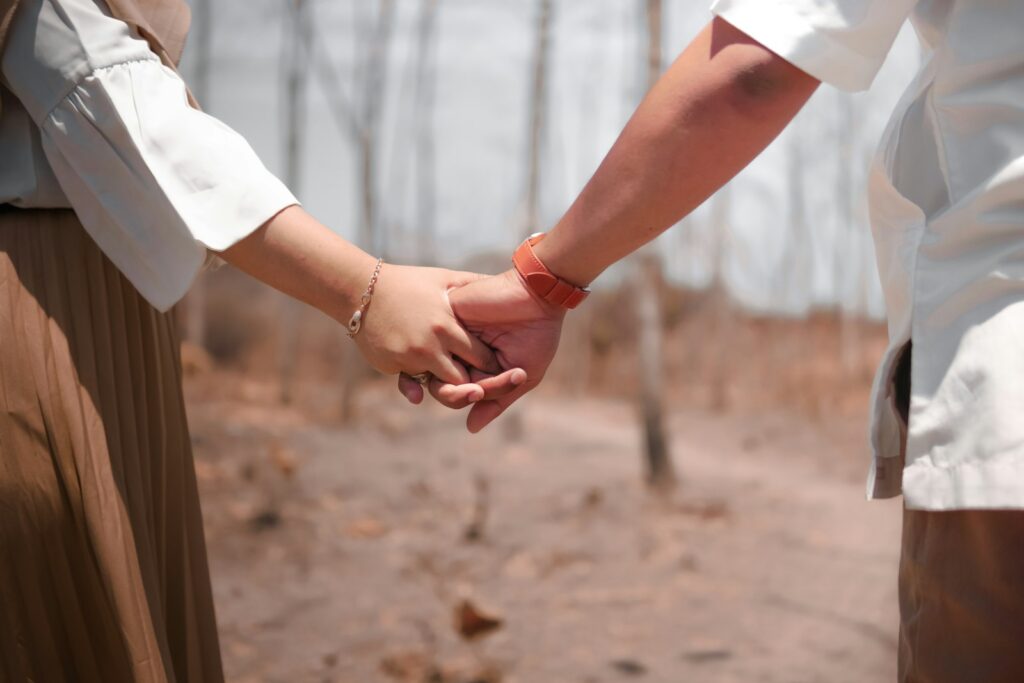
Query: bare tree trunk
{"points": [[576, 356], [295, 59], [722, 319], [657, 457], [660, 471], [195, 302], [426, 181], [538, 111], [374, 73], [367, 194], [795, 262], [372, 79], [358, 119], [654, 33], [537, 117]]}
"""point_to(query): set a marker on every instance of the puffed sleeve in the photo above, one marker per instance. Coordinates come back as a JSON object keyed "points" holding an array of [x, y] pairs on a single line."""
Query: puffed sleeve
{"points": [[840, 42], [155, 182]]}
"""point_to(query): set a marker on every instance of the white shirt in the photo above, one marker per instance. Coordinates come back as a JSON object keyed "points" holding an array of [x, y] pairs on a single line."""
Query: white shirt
{"points": [[93, 121], [947, 213]]}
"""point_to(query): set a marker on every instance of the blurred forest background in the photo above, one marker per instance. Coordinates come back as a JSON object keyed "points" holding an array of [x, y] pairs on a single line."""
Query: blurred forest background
{"points": [[695, 517]]}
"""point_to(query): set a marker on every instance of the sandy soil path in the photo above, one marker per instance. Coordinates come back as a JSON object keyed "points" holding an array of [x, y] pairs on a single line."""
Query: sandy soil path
{"points": [[339, 554]]}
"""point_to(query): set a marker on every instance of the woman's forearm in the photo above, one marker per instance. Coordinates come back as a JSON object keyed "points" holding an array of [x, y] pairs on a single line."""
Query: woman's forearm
{"points": [[409, 326], [298, 255], [715, 109]]}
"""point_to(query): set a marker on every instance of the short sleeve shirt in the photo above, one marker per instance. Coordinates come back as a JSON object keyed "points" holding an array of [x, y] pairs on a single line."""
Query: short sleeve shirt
{"points": [[947, 214]]}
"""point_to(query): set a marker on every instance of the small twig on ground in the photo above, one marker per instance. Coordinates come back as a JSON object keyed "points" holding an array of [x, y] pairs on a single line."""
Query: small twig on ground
{"points": [[481, 505]]}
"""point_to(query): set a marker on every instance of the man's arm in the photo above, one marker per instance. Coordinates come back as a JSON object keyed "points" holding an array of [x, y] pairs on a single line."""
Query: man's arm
{"points": [[713, 111]]}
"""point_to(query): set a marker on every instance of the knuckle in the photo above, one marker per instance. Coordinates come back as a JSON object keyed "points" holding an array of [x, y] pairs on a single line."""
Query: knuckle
{"points": [[421, 353], [412, 351]]}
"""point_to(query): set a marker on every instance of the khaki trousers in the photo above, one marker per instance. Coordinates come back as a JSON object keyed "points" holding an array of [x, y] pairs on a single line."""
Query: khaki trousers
{"points": [[961, 586]]}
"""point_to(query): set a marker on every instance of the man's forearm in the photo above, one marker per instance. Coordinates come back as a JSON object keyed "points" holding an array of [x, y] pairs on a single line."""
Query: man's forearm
{"points": [[715, 109]]}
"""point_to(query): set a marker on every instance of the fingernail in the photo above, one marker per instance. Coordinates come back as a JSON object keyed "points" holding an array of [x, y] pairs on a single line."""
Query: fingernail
{"points": [[476, 396], [518, 378]]}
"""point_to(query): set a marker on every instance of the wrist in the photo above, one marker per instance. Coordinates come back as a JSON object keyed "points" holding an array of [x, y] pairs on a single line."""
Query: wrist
{"points": [[354, 278], [564, 260], [537, 277], [517, 283]]}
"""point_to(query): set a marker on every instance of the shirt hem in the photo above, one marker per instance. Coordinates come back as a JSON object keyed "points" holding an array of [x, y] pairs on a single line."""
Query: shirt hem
{"points": [[992, 485]]}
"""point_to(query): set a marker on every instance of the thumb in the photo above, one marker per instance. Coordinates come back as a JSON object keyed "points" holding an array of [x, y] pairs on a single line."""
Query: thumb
{"points": [[461, 278], [484, 412]]}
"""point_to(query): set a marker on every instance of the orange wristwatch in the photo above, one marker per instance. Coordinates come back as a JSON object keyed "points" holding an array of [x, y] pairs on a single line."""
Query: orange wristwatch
{"points": [[542, 281]]}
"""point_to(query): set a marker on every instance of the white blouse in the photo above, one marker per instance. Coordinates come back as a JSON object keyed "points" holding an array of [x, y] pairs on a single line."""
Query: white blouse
{"points": [[93, 121], [947, 213]]}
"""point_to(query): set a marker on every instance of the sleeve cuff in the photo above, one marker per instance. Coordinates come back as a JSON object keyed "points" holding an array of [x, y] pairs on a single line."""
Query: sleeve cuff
{"points": [[782, 29], [156, 183], [231, 212]]}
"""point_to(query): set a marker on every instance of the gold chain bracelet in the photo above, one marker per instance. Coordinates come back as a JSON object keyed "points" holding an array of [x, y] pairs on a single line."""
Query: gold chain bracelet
{"points": [[355, 323]]}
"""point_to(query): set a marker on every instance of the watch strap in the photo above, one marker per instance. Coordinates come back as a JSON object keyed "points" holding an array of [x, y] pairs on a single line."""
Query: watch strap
{"points": [[545, 284]]}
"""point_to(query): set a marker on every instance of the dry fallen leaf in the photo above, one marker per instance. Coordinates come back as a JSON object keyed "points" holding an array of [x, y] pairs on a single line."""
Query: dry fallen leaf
{"points": [[194, 360], [472, 623], [283, 459], [629, 667], [367, 527], [409, 667]]}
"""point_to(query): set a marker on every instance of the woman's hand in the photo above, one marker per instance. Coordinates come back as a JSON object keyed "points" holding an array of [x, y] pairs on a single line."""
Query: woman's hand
{"points": [[409, 327]]}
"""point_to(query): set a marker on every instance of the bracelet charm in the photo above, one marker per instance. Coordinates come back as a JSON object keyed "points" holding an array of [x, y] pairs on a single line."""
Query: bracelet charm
{"points": [[355, 323]]}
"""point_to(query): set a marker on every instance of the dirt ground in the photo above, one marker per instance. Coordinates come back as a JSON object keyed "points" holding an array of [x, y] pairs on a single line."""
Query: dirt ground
{"points": [[340, 553]]}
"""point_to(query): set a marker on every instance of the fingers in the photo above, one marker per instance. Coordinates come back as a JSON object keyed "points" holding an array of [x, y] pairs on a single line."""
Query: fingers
{"points": [[483, 387], [485, 412], [449, 370], [497, 386], [450, 395], [507, 387], [458, 396], [455, 396], [469, 348], [410, 388]]}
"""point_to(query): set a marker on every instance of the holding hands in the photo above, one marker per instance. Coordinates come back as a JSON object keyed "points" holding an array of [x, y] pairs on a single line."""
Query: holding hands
{"points": [[412, 329], [486, 341], [406, 320], [519, 315], [520, 328]]}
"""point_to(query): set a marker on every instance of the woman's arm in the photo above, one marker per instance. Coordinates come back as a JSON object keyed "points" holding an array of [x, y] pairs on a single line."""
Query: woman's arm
{"points": [[157, 184], [409, 326]]}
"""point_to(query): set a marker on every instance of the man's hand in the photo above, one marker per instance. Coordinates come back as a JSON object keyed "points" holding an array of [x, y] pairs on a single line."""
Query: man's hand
{"points": [[522, 330]]}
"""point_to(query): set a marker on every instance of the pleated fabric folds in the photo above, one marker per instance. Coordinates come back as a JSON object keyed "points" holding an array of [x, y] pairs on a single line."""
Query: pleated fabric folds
{"points": [[103, 569]]}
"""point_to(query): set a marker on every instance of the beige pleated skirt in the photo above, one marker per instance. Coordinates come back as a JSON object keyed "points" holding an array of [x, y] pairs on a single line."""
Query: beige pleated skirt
{"points": [[103, 571]]}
